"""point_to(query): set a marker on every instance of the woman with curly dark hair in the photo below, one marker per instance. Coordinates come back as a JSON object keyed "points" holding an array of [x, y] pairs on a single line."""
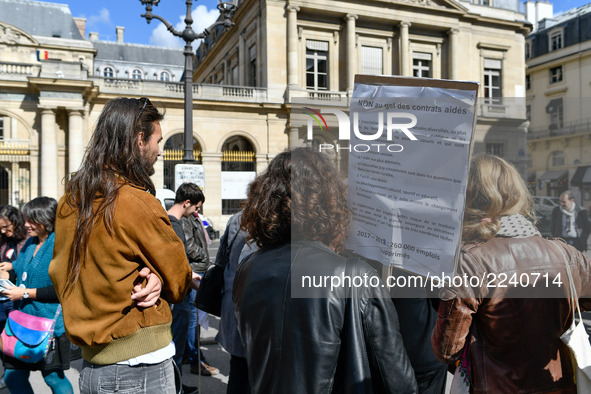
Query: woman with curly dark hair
{"points": [[303, 332]]}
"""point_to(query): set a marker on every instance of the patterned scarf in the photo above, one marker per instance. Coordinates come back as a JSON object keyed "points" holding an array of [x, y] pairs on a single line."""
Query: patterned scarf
{"points": [[517, 226]]}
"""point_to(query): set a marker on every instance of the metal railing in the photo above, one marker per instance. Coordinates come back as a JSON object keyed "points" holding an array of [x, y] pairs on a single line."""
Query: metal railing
{"points": [[14, 148], [15, 174], [177, 154], [571, 128], [241, 156]]}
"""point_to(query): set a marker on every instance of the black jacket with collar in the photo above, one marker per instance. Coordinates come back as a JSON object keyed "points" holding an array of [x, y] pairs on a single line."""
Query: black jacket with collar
{"points": [[341, 341], [195, 244], [582, 223]]}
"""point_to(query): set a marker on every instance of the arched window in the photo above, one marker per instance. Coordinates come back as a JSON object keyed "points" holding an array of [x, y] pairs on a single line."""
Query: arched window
{"points": [[164, 76], [238, 170], [173, 155], [108, 72], [136, 74]]}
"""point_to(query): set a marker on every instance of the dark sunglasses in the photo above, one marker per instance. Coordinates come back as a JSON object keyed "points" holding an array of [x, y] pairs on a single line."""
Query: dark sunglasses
{"points": [[146, 101]]}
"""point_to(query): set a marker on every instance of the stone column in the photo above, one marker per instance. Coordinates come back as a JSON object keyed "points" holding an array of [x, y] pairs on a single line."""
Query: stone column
{"points": [[294, 137], [351, 53], [13, 129], [262, 162], [292, 45], [158, 177], [212, 165], [14, 191], [34, 173], [454, 54], [48, 174], [241, 60], [405, 54], [75, 139]]}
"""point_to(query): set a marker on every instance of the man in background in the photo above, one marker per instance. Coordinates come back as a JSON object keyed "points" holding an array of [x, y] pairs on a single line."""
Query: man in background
{"points": [[196, 244], [187, 200], [571, 222]]}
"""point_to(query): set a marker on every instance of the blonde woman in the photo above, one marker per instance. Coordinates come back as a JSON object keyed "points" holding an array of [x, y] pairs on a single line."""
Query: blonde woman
{"points": [[506, 328]]}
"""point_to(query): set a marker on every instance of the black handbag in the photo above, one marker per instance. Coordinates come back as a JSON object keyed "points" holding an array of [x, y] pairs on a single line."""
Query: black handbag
{"points": [[209, 295]]}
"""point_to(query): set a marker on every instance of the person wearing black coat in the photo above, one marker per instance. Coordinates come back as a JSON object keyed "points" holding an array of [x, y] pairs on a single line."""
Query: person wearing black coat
{"points": [[301, 333], [571, 222]]}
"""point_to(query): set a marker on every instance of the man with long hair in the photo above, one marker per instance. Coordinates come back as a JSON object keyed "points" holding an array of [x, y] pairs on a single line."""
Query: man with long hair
{"points": [[109, 229], [300, 338]]}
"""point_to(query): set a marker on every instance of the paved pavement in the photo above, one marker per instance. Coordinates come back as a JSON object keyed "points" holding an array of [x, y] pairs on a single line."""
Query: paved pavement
{"points": [[214, 353]]}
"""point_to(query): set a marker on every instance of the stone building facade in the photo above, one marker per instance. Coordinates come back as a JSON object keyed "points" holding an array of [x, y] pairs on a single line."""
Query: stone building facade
{"points": [[308, 52], [558, 90], [54, 82]]}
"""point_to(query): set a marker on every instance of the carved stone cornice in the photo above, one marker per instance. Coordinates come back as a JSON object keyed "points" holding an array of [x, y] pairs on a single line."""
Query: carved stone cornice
{"points": [[420, 2], [12, 35]]}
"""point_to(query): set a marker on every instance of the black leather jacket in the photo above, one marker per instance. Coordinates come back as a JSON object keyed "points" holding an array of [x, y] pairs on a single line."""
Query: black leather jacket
{"points": [[195, 244], [583, 226], [341, 341]]}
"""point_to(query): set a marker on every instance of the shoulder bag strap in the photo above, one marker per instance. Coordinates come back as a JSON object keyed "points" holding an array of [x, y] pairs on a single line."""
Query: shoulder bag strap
{"points": [[227, 251], [573, 290]]}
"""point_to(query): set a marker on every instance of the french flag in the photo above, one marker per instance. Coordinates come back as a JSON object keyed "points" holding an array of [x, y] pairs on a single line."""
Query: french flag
{"points": [[42, 55]]}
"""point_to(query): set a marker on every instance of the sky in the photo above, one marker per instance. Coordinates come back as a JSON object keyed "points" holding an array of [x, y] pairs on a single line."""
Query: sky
{"points": [[103, 16]]}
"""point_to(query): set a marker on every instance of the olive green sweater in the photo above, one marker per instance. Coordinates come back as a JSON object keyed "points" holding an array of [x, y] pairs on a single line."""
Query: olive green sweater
{"points": [[99, 314]]}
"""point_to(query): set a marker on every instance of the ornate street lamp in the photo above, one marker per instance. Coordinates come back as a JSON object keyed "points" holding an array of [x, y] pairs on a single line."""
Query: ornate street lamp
{"points": [[226, 9]]}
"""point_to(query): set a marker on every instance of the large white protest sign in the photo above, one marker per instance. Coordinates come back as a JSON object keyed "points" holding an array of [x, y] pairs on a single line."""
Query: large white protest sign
{"points": [[235, 184], [410, 142]]}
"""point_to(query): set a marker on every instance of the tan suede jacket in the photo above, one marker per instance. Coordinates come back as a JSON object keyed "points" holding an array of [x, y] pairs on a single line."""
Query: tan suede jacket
{"points": [[99, 314], [514, 330]]}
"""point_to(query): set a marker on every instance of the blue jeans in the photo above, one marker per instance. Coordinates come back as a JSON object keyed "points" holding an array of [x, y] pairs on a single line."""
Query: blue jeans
{"points": [[17, 381], [124, 379], [180, 327], [192, 351]]}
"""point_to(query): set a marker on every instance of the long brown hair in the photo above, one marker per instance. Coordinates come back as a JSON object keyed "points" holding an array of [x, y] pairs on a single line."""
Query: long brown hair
{"points": [[112, 158]]}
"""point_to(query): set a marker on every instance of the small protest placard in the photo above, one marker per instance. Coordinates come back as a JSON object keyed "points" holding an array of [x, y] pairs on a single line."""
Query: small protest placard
{"points": [[410, 146], [194, 173]]}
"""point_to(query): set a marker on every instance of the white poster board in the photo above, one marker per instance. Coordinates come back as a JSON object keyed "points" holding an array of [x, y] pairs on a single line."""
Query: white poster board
{"points": [[235, 184], [194, 173], [407, 182]]}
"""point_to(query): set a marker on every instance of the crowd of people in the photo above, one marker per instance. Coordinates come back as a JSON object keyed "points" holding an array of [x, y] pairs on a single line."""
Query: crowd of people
{"points": [[119, 275]]}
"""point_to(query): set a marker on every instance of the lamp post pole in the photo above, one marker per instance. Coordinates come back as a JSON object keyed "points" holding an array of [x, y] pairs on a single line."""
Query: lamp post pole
{"points": [[189, 35]]}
